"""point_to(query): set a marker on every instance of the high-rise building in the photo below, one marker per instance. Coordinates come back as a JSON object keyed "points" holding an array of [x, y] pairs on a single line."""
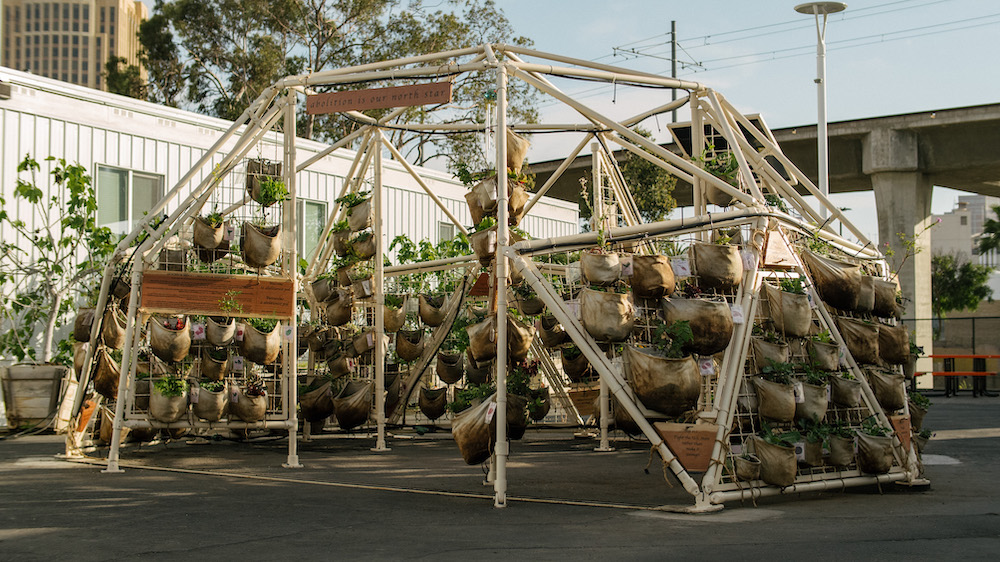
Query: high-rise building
{"points": [[70, 41]]}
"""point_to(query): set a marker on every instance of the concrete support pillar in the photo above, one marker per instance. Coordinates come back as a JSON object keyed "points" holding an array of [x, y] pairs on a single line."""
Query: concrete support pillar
{"points": [[903, 203]]}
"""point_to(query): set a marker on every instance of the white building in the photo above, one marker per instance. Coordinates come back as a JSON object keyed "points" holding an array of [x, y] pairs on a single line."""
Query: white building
{"points": [[959, 231]]}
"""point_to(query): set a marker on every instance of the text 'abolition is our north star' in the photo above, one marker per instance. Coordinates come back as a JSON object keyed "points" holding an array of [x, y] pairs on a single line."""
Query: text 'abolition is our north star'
{"points": [[379, 98]]}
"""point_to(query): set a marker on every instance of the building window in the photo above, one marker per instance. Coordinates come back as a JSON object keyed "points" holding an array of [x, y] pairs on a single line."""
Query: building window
{"points": [[123, 196], [312, 220], [446, 231], [963, 221]]}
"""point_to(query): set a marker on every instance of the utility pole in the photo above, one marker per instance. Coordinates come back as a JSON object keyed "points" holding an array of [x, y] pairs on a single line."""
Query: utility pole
{"points": [[673, 65]]}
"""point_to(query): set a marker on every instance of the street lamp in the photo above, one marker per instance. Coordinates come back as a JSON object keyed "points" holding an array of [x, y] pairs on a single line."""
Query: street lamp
{"points": [[824, 9]]}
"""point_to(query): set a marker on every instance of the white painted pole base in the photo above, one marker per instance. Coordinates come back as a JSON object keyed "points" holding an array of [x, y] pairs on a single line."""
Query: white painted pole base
{"points": [[112, 468], [492, 474], [500, 501], [603, 449]]}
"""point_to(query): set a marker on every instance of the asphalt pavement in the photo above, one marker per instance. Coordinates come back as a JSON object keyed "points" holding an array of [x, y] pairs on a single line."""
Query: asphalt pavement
{"points": [[224, 499]]}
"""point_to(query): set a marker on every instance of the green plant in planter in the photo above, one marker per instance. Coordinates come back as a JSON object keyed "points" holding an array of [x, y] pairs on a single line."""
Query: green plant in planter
{"points": [[218, 353], [779, 372], [171, 385], [535, 404], [571, 352], [822, 337], [777, 202], [767, 334], [812, 375], [212, 386], [817, 245], [263, 325], [925, 433], [458, 339], [524, 291], [722, 165], [871, 426], [340, 226], [469, 178], [485, 224], [920, 400], [846, 375], [792, 285], [779, 437], [519, 378], [272, 190], [465, 397], [916, 350], [213, 219], [841, 428], [394, 301], [353, 199], [362, 271], [814, 431], [671, 339], [254, 385]]}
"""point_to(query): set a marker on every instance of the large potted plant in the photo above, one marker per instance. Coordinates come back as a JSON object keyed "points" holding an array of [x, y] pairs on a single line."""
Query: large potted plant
{"points": [[776, 451], [169, 338], [823, 352], [394, 312], [816, 434], [767, 347], [528, 303], [210, 404], [258, 171], [215, 362], [814, 394], [208, 230], [340, 234], [220, 330], [358, 208], [249, 403], [918, 404], [711, 322], [168, 399], [362, 246], [260, 244], [261, 340], [841, 444], [483, 240], [775, 393], [665, 378], [473, 434], [600, 267]]}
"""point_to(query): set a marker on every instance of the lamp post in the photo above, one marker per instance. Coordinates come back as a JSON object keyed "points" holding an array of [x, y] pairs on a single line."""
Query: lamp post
{"points": [[824, 9]]}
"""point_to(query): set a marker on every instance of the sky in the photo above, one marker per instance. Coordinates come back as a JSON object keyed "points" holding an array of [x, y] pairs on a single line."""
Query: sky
{"points": [[884, 57]]}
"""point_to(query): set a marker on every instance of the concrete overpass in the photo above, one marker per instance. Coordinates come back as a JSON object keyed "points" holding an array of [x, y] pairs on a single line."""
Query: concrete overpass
{"points": [[900, 157]]}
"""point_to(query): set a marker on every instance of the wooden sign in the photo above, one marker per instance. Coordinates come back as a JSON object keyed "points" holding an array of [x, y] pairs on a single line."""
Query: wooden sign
{"points": [[168, 292], [691, 443], [901, 425], [378, 98]]}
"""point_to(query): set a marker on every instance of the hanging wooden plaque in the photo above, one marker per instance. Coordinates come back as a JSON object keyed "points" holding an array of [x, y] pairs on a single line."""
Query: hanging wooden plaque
{"points": [[378, 98], [167, 292]]}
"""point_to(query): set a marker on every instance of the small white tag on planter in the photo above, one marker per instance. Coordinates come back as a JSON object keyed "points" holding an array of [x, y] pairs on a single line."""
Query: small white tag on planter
{"points": [[626, 262], [240, 328], [351, 363], [237, 362], [234, 395], [370, 338], [287, 332], [738, 317], [574, 308], [490, 410], [800, 451], [491, 238], [681, 267], [843, 354], [230, 231], [737, 449], [829, 394], [706, 366], [366, 286], [193, 395], [197, 331], [748, 259], [800, 395]]}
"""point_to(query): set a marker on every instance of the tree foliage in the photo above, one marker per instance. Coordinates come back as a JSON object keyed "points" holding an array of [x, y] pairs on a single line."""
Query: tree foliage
{"points": [[56, 254], [957, 284], [123, 78], [990, 237], [227, 51]]}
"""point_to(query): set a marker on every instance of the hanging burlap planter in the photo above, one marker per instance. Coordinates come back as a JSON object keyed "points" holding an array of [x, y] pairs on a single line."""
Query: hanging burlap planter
{"points": [[393, 318], [482, 340], [172, 258], [775, 401], [344, 275], [142, 393], [889, 389], [205, 235], [409, 344], [317, 405], [363, 247], [250, 409], [215, 254], [874, 453], [338, 366], [711, 322], [359, 217], [340, 308], [917, 414], [866, 295], [606, 316], [517, 416], [894, 344], [838, 283], [517, 150], [363, 288], [478, 374], [777, 463], [717, 196], [212, 368], [113, 327], [814, 403], [484, 244], [340, 242], [107, 426], [885, 299], [600, 269], [519, 338], [210, 406], [473, 434], [450, 367], [861, 339], [813, 453], [482, 200], [551, 332], [539, 413], [220, 330], [259, 347], [845, 392], [529, 306], [323, 288], [169, 344], [258, 169], [666, 385], [718, 267], [577, 368], [433, 402], [825, 356], [393, 385], [652, 277], [790, 312], [920, 442], [106, 374], [765, 353], [354, 404], [167, 409], [82, 324], [260, 247], [747, 468], [364, 342], [432, 310], [841, 451]]}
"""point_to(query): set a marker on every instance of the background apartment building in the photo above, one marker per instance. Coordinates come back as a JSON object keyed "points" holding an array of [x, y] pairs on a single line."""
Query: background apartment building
{"points": [[70, 41]]}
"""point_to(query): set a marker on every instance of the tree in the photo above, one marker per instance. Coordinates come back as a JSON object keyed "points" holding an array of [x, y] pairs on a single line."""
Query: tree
{"points": [[957, 285], [55, 255], [990, 237], [123, 78], [161, 58]]}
